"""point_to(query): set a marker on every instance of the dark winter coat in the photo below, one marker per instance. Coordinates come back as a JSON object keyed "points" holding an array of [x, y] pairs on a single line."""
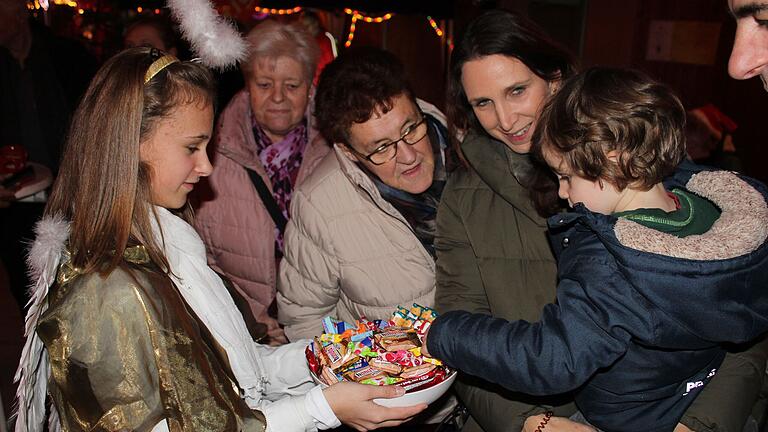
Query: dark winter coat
{"points": [[640, 315]]}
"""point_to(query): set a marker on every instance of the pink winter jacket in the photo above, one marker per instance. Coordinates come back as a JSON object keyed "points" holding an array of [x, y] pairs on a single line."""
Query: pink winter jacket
{"points": [[236, 227]]}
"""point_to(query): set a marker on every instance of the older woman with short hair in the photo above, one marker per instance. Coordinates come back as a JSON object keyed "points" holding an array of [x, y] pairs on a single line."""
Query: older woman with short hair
{"points": [[265, 146], [360, 240]]}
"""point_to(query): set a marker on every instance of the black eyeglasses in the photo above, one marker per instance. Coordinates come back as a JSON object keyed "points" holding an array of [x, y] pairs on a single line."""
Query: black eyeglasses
{"points": [[386, 152]]}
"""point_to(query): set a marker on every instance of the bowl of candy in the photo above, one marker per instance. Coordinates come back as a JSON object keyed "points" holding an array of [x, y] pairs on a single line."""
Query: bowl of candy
{"points": [[381, 352]]}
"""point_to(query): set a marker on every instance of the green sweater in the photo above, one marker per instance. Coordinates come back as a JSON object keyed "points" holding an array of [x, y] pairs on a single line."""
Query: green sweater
{"points": [[695, 216]]}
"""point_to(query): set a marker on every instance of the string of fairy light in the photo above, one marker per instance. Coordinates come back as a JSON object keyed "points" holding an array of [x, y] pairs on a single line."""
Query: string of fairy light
{"points": [[44, 4], [359, 16], [355, 14], [269, 11]]}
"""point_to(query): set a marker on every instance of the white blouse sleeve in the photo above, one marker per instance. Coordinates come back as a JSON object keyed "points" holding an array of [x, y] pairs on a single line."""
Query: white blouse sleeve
{"points": [[292, 401]]}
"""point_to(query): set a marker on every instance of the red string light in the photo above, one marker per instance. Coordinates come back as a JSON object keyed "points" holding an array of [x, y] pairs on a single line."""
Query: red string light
{"points": [[356, 15], [440, 33], [432, 22], [277, 11]]}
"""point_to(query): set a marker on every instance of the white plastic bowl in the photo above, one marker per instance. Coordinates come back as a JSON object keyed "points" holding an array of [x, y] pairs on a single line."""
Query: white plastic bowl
{"points": [[428, 395]]}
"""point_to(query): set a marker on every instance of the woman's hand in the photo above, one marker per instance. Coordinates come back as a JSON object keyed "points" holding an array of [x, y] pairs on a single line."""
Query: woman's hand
{"points": [[555, 424], [353, 405]]}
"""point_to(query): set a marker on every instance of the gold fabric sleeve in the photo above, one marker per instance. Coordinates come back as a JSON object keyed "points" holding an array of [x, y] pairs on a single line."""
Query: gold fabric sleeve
{"points": [[125, 353]]}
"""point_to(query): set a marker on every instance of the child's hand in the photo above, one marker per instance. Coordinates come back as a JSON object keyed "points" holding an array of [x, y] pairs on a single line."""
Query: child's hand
{"points": [[353, 405]]}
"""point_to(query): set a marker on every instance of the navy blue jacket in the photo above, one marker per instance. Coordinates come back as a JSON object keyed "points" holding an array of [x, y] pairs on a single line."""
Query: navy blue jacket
{"points": [[636, 330]]}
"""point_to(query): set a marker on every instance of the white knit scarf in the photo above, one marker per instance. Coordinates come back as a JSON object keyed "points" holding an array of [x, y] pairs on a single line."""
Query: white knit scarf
{"points": [[204, 291]]}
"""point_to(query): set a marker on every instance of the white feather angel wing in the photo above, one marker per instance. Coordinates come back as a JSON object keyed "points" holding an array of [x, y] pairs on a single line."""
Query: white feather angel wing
{"points": [[32, 374], [213, 39]]}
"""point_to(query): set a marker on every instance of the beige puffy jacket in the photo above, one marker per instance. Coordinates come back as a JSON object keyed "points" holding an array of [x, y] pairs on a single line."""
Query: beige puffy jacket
{"points": [[348, 253]]}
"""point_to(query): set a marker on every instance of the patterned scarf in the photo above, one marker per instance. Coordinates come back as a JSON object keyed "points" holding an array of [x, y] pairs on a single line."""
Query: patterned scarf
{"points": [[282, 161]]}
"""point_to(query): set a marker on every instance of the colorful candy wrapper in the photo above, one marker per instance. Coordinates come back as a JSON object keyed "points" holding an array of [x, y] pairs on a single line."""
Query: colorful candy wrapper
{"points": [[312, 361], [363, 373], [429, 379], [402, 357], [362, 349], [421, 326], [327, 338], [361, 336], [329, 326], [417, 352], [328, 377], [417, 370], [377, 352], [381, 380], [388, 367], [397, 339], [428, 314]]}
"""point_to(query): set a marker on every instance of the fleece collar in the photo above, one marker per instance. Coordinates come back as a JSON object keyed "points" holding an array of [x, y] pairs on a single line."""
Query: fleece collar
{"points": [[741, 228]]}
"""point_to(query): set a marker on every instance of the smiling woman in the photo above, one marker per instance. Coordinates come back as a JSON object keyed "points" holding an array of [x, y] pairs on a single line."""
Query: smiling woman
{"points": [[265, 146], [498, 261]]}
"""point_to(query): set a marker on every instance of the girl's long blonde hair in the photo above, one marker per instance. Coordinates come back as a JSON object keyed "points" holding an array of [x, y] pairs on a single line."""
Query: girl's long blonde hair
{"points": [[103, 188]]}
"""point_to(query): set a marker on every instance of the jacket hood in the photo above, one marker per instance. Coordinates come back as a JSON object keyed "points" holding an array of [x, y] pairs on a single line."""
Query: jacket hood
{"points": [[711, 284], [497, 166]]}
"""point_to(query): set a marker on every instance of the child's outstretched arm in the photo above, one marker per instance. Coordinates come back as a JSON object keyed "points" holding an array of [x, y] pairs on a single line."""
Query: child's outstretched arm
{"points": [[580, 334]]}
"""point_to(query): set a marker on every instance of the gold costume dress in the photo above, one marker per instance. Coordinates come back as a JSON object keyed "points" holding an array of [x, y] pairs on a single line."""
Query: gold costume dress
{"points": [[127, 352]]}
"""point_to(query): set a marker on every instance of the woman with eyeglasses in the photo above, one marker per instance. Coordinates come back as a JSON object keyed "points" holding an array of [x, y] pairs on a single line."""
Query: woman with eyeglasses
{"points": [[359, 242]]}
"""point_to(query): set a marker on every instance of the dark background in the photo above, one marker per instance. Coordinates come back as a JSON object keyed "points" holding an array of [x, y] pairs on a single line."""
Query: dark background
{"points": [[599, 32]]}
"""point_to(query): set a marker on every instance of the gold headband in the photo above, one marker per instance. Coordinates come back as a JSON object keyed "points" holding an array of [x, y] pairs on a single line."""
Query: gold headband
{"points": [[158, 65]]}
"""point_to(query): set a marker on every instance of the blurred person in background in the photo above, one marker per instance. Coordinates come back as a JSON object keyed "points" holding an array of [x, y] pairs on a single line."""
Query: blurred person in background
{"points": [[326, 43], [42, 78], [152, 31]]}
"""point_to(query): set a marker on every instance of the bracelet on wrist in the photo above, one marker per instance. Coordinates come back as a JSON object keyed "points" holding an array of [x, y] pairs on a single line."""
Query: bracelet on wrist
{"points": [[544, 421]]}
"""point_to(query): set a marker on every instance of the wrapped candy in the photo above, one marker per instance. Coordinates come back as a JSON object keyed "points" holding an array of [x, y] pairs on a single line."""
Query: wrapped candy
{"points": [[377, 352]]}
